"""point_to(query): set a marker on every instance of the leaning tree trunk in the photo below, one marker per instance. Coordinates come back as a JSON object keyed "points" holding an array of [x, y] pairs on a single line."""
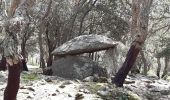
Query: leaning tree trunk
{"points": [[127, 65], [136, 45]]}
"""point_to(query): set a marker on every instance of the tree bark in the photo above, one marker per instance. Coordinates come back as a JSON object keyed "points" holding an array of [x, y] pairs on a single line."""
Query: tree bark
{"points": [[145, 69], [50, 60], [135, 16], [24, 54], [13, 7], [166, 66], [159, 67], [12, 87], [42, 62], [127, 65], [136, 45], [134, 25], [3, 64], [50, 45]]}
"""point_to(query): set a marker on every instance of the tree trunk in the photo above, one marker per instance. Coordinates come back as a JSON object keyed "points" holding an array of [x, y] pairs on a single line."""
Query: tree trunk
{"points": [[166, 66], [159, 67], [135, 16], [134, 27], [145, 69], [50, 45], [41, 25], [136, 45], [12, 87], [127, 65], [23, 53], [50, 60], [3, 63], [42, 62]]}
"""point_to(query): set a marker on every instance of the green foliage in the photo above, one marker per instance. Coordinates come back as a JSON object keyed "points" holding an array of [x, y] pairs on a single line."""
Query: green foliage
{"points": [[114, 93], [166, 51], [111, 21]]}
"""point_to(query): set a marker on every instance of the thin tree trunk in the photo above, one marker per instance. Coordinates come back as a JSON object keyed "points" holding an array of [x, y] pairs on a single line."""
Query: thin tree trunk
{"points": [[50, 60], [23, 53], [42, 62], [159, 67], [49, 45], [84, 15], [135, 16], [145, 69], [166, 66]]}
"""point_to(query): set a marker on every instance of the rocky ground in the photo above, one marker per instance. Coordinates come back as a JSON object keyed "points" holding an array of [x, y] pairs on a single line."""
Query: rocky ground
{"points": [[35, 86]]}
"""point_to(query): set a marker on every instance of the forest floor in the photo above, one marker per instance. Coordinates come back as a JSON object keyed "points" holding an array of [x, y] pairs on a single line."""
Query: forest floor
{"points": [[35, 86]]}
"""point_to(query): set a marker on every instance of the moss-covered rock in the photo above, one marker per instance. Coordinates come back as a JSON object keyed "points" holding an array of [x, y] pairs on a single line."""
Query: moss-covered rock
{"points": [[133, 96]]}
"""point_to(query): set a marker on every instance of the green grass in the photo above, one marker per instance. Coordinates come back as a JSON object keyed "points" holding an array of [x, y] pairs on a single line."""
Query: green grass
{"points": [[29, 77], [94, 87]]}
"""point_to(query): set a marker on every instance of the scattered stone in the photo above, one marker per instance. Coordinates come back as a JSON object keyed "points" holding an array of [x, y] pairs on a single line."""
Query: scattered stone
{"points": [[68, 82], [128, 81], [57, 90], [69, 95], [22, 87], [79, 96], [133, 96], [62, 86], [150, 86], [97, 78], [2, 89], [48, 80], [29, 97], [88, 79], [103, 80], [54, 94], [25, 92], [29, 84], [84, 91], [147, 81], [77, 80], [103, 93], [165, 92], [31, 89], [47, 71], [42, 82]]}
